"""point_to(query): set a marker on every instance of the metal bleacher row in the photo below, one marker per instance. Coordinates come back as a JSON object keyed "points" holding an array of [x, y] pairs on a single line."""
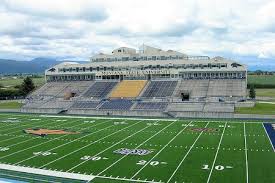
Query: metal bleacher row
{"points": [[139, 95], [160, 89], [100, 89]]}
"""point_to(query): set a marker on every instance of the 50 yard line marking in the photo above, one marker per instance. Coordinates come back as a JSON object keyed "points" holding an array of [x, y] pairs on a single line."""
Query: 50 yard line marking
{"points": [[245, 147], [160, 150], [216, 154], [186, 154]]}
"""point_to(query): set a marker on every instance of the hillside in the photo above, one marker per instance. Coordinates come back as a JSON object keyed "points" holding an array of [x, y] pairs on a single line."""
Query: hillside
{"points": [[37, 65]]}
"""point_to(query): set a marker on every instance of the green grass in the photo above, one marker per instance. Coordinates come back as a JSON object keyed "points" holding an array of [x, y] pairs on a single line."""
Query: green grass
{"points": [[11, 83], [179, 154], [265, 92], [10, 105], [259, 108], [262, 81]]}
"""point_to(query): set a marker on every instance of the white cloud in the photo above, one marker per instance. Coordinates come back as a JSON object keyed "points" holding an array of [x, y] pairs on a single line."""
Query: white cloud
{"points": [[76, 29]]}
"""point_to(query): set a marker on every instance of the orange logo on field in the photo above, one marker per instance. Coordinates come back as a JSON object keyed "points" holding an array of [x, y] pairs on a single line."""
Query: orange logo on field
{"points": [[44, 132]]}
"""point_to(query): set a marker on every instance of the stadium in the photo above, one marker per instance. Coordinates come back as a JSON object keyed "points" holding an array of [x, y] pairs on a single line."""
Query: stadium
{"points": [[150, 82], [145, 115]]}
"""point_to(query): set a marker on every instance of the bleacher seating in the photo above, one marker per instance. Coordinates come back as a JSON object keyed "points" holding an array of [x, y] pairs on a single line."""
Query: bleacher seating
{"points": [[196, 88], [160, 89], [76, 87], [86, 104], [227, 87], [160, 106], [128, 89], [56, 104], [118, 104], [100, 89], [59, 89], [50, 89]]}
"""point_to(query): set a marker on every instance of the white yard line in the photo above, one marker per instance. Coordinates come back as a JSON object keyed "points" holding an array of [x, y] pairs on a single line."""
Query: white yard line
{"points": [[87, 145], [268, 138], [216, 155], [31, 147], [47, 172], [25, 178], [16, 131], [59, 174], [135, 148], [114, 118], [160, 150], [129, 136], [29, 124], [21, 130], [246, 161], [40, 137], [191, 147], [69, 141], [125, 179]]}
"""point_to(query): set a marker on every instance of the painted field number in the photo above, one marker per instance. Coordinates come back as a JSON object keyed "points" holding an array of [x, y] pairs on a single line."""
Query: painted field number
{"points": [[2, 149], [93, 158], [46, 153], [152, 163], [218, 167]]}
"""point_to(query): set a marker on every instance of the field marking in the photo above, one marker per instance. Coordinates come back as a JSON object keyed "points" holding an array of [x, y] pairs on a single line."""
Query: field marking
{"points": [[246, 161], [129, 136], [135, 148], [99, 123], [268, 137], [191, 147], [21, 177], [161, 150], [33, 138], [209, 176], [31, 146], [125, 179], [114, 118], [88, 145], [32, 123], [38, 137], [51, 173]]}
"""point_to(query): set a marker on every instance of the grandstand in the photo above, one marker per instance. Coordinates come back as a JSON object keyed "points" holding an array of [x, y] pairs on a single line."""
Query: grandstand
{"points": [[151, 82], [128, 89]]}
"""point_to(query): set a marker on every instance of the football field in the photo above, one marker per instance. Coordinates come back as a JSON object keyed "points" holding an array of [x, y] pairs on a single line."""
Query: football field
{"points": [[135, 150]]}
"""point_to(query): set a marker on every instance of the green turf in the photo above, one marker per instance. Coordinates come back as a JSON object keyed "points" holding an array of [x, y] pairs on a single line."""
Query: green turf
{"points": [[179, 154], [259, 108], [10, 105]]}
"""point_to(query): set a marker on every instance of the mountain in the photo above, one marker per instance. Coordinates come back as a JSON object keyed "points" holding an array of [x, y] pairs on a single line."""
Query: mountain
{"points": [[35, 66]]}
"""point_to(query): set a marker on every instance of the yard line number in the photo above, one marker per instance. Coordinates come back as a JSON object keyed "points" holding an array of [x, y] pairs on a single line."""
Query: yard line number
{"points": [[152, 163], [218, 167]]}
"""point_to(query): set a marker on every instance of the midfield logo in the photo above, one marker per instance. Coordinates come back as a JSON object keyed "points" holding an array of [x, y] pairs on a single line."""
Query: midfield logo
{"points": [[44, 132], [125, 151]]}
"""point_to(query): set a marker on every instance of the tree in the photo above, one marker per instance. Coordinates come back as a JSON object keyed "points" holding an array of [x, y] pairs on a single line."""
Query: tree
{"points": [[252, 92], [27, 86]]}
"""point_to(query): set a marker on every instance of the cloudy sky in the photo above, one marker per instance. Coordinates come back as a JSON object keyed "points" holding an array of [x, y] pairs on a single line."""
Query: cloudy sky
{"points": [[75, 29]]}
